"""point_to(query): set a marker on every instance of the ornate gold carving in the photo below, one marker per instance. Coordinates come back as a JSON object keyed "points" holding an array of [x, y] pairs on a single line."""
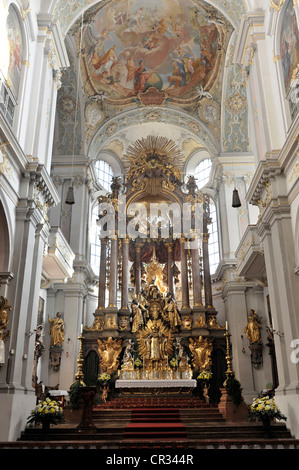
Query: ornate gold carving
{"points": [[123, 323], [201, 350], [98, 324], [201, 322], [154, 156], [187, 323], [109, 351], [155, 341]]}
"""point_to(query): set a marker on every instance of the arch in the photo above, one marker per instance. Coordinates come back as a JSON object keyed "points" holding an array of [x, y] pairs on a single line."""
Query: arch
{"points": [[4, 241], [112, 160]]}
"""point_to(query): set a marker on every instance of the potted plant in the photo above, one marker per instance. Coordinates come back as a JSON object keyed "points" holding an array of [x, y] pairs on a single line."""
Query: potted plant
{"points": [[265, 409], [47, 412]]}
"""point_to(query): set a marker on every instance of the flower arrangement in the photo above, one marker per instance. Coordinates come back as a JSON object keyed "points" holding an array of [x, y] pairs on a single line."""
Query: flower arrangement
{"points": [[204, 375], [47, 411], [173, 363], [265, 407], [104, 378]]}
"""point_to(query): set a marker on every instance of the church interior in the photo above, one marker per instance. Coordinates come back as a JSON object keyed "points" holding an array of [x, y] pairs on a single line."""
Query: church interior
{"points": [[149, 223]]}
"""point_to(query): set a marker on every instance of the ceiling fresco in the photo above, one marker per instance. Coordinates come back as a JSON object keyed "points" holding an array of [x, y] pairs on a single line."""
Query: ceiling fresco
{"points": [[153, 52], [168, 57]]}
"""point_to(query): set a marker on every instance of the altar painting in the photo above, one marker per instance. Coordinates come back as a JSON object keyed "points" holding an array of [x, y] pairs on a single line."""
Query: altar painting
{"points": [[172, 46], [289, 45]]}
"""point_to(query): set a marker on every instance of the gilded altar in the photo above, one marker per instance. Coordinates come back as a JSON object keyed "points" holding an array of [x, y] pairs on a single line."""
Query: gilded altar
{"points": [[155, 319]]}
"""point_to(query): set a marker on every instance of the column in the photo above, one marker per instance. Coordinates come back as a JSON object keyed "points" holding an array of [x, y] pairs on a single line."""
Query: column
{"points": [[197, 295], [170, 267], [125, 275], [184, 277], [113, 274], [206, 267], [102, 275], [137, 270]]}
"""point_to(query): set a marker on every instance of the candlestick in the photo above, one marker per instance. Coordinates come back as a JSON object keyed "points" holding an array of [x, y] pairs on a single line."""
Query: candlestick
{"points": [[79, 375], [229, 372]]}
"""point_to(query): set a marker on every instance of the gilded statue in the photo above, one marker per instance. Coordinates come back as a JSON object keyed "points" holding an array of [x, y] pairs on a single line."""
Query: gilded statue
{"points": [[56, 330], [252, 329], [137, 316], [109, 351], [170, 311], [155, 340], [201, 350], [4, 309]]}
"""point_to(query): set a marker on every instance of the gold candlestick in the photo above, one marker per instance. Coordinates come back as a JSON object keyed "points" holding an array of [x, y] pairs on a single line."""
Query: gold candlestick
{"points": [[79, 376], [229, 372]]}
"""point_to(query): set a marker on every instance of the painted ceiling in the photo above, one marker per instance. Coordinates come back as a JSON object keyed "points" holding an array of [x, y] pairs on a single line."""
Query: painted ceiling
{"points": [[169, 59]]}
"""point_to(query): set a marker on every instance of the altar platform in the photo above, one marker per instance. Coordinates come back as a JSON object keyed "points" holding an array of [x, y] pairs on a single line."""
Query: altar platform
{"points": [[155, 386]]}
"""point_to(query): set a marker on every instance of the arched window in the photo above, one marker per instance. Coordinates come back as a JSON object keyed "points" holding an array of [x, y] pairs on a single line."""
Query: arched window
{"points": [[202, 172], [104, 173], [214, 255], [95, 243]]}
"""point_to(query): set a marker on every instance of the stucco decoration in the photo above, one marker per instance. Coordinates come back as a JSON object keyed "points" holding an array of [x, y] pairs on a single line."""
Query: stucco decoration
{"points": [[67, 11]]}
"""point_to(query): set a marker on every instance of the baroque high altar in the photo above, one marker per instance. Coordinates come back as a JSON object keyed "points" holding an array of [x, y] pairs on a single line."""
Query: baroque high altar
{"points": [[155, 318]]}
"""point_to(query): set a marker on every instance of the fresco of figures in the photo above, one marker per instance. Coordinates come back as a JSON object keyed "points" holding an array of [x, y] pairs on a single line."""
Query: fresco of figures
{"points": [[132, 45]]}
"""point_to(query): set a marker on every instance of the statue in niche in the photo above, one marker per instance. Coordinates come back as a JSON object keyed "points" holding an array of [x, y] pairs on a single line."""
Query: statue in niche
{"points": [[252, 329], [56, 330], [109, 351], [201, 350], [170, 312]]}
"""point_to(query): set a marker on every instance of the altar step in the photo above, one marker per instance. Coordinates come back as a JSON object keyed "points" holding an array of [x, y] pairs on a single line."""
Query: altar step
{"points": [[155, 423], [154, 401]]}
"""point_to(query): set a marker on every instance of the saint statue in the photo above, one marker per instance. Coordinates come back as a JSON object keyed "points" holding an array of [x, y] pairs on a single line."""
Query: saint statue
{"points": [[137, 316], [252, 329], [56, 330], [171, 313]]}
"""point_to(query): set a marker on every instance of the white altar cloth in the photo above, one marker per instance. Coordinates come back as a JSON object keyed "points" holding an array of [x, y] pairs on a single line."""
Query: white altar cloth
{"points": [[58, 393], [171, 383]]}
